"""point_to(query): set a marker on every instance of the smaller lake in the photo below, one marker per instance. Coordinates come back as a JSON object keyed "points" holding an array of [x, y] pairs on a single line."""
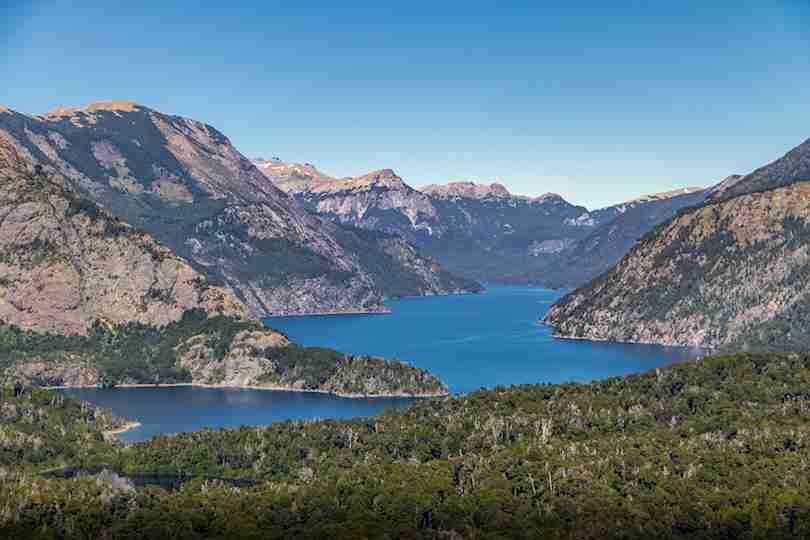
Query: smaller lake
{"points": [[469, 341], [187, 408]]}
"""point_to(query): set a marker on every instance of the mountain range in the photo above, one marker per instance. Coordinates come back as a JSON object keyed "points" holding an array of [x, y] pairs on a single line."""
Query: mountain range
{"points": [[694, 266], [185, 184], [732, 272], [482, 231]]}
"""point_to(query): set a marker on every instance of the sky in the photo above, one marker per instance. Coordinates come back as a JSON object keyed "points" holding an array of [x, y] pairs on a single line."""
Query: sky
{"points": [[596, 102]]}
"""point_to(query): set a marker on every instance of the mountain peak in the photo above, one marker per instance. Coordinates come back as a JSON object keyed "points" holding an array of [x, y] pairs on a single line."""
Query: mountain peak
{"points": [[794, 166], [382, 177], [547, 197], [726, 183], [4, 109], [468, 189], [383, 173], [119, 105]]}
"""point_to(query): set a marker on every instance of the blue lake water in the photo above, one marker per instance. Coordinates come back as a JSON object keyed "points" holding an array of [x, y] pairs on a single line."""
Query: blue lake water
{"points": [[470, 341]]}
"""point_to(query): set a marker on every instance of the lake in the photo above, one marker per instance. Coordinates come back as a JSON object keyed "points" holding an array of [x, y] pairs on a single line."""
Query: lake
{"points": [[469, 341]]}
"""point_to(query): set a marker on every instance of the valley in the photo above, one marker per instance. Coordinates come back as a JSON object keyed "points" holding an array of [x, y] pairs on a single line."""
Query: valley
{"points": [[193, 379], [405, 270]]}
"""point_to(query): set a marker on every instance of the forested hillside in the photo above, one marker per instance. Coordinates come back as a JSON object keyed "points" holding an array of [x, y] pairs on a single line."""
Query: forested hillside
{"points": [[715, 448]]}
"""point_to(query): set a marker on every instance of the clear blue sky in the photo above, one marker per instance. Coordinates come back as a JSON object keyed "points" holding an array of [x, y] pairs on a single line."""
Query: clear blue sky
{"points": [[596, 103]]}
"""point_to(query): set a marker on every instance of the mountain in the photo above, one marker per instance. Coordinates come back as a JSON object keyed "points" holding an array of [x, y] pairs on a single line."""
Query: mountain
{"points": [[615, 231], [185, 184], [87, 299], [291, 176], [482, 230], [479, 231], [66, 263], [732, 272], [378, 201], [666, 195]]}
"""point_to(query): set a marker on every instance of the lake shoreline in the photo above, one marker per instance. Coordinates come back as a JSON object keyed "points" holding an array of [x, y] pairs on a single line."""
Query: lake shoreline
{"points": [[427, 395], [563, 337], [126, 427]]}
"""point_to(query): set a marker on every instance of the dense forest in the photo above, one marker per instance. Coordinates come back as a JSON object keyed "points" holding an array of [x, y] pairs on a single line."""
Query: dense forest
{"points": [[714, 448]]}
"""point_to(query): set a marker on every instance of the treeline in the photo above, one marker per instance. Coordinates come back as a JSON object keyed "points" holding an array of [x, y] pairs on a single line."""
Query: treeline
{"points": [[709, 449]]}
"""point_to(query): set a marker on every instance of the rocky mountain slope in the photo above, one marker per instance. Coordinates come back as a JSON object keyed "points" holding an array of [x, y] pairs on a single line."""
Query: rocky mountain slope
{"points": [[378, 201], [185, 184], [87, 299], [732, 272], [65, 264]]}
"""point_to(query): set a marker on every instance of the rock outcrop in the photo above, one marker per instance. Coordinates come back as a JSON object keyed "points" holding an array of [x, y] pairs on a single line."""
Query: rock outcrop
{"points": [[380, 201], [260, 359]]}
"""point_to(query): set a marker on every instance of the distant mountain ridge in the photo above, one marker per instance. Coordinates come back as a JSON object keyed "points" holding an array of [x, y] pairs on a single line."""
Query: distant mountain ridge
{"points": [[184, 183], [731, 272], [482, 230], [476, 230]]}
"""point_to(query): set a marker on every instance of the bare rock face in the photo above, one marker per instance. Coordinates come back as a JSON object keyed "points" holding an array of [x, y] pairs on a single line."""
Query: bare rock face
{"points": [[317, 295], [185, 184], [291, 177], [243, 364], [728, 273], [65, 264]]}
